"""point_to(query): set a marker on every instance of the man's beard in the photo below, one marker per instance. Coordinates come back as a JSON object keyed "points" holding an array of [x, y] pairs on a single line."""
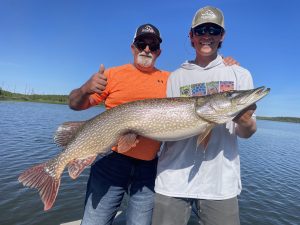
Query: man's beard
{"points": [[145, 61]]}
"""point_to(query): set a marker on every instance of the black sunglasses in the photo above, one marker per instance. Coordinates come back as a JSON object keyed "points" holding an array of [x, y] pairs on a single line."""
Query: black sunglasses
{"points": [[210, 29], [141, 45]]}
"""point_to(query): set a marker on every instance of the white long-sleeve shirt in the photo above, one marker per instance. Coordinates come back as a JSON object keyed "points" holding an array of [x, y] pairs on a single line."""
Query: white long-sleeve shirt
{"points": [[190, 172]]}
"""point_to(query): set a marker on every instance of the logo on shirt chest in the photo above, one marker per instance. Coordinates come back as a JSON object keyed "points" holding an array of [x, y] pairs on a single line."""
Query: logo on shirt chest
{"points": [[202, 89]]}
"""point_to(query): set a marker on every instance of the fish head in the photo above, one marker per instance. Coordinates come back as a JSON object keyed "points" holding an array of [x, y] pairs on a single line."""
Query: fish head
{"points": [[222, 107]]}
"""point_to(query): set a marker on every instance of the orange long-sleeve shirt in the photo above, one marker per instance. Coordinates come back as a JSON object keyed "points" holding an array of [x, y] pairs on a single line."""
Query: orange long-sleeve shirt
{"points": [[126, 84]]}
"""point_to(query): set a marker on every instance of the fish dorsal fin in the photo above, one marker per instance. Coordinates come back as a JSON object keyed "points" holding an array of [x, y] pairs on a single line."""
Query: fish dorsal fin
{"points": [[126, 142], [204, 137], [78, 165], [66, 131]]}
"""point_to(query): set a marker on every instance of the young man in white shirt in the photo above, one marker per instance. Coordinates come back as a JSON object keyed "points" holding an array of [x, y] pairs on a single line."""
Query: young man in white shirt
{"points": [[208, 176]]}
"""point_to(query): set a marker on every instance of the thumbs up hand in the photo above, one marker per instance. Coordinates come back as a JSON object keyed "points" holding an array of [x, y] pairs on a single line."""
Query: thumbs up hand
{"points": [[97, 83]]}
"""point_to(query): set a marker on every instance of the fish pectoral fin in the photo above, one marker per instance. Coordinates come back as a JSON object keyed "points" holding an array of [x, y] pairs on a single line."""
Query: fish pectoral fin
{"points": [[127, 142], [204, 138], [66, 131], [78, 165]]}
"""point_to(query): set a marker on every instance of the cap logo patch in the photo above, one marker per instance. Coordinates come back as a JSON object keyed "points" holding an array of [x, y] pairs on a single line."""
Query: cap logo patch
{"points": [[148, 29], [208, 14]]}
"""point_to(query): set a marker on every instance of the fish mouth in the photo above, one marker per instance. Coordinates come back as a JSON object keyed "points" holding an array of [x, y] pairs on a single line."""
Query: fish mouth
{"points": [[248, 98]]}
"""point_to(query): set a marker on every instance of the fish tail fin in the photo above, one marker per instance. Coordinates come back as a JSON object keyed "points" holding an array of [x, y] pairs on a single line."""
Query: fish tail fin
{"points": [[47, 184]]}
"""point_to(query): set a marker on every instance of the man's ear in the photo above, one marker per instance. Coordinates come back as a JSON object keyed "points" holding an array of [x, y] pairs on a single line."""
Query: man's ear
{"points": [[223, 36], [158, 52], [191, 34], [132, 48]]}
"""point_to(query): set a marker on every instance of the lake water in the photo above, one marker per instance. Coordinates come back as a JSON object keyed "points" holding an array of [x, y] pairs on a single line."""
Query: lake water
{"points": [[270, 164]]}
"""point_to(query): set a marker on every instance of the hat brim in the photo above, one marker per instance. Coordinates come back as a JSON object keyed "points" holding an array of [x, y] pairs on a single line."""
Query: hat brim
{"points": [[209, 22], [148, 35]]}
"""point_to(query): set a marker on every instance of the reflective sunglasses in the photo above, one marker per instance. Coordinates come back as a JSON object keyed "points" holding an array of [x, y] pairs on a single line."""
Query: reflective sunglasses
{"points": [[141, 45], [210, 29]]}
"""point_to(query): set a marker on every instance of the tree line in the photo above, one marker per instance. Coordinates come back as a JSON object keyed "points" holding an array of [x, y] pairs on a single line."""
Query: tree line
{"points": [[7, 95], [280, 119]]}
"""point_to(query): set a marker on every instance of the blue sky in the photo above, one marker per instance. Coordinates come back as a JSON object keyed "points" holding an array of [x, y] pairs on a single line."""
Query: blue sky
{"points": [[53, 46]]}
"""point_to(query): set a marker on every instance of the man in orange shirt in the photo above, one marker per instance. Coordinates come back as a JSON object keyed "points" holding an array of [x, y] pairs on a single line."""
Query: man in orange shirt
{"points": [[134, 171]]}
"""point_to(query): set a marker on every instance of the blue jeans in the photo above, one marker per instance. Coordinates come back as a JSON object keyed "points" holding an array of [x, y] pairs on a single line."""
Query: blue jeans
{"points": [[110, 178]]}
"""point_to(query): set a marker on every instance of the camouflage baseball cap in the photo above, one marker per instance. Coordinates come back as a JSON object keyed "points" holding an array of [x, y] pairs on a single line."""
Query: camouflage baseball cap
{"points": [[208, 14]]}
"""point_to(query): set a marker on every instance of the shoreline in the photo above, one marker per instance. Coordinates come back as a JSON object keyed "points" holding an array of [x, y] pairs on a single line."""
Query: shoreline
{"points": [[280, 119], [30, 100]]}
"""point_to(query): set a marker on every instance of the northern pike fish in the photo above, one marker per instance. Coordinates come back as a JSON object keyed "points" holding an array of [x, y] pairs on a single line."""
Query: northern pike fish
{"points": [[165, 119]]}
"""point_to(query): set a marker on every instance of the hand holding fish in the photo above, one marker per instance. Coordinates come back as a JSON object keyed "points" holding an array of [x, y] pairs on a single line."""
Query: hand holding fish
{"points": [[246, 124]]}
